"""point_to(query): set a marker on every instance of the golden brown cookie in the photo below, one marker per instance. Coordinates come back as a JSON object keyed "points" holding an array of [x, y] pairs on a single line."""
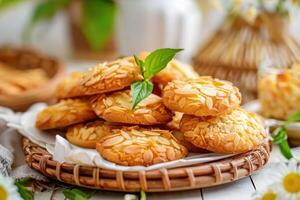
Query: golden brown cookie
{"points": [[104, 77], [175, 70], [87, 134], [65, 113], [189, 146], [139, 146], [204, 96], [70, 86], [117, 107], [174, 124], [235, 132]]}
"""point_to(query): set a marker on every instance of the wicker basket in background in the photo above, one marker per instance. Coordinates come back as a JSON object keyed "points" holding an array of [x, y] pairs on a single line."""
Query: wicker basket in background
{"points": [[237, 50], [29, 59]]}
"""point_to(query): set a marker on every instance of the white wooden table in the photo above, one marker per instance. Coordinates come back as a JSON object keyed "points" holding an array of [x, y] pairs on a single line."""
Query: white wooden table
{"points": [[239, 190]]}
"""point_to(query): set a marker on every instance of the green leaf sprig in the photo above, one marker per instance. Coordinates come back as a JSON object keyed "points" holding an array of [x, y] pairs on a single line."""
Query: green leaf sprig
{"points": [[280, 136], [154, 63], [77, 194], [97, 20], [24, 192]]}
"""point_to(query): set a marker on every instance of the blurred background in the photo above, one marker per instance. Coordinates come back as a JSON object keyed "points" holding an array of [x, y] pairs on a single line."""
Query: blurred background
{"points": [[228, 39]]}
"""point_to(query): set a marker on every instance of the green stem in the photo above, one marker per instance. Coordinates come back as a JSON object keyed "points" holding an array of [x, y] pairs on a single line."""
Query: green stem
{"points": [[285, 149]]}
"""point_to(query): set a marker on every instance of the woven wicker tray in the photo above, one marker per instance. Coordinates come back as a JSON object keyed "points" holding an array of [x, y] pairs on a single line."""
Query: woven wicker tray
{"points": [[181, 178]]}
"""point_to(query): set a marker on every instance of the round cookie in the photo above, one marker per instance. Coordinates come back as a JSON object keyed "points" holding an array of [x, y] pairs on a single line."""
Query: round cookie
{"points": [[175, 70], [175, 123], [104, 77], [87, 134], [65, 113], [189, 146], [117, 107], [139, 146], [204, 96], [70, 87], [235, 132]]}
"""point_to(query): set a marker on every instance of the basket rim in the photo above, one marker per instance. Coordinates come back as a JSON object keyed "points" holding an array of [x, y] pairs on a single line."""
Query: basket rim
{"points": [[61, 69], [160, 180]]}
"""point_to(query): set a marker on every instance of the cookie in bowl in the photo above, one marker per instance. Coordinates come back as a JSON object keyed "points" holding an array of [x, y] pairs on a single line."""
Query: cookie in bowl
{"points": [[117, 107], [65, 113], [235, 132], [87, 134], [133, 146], [204, 96]]}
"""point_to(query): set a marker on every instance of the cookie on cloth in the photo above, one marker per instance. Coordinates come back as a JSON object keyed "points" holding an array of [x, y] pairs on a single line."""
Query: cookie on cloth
{"points": [[117, 107], [189, 146], [204, 96], [139, 146], [104, 77], [65, 113], [87, 134], [235, 132]]}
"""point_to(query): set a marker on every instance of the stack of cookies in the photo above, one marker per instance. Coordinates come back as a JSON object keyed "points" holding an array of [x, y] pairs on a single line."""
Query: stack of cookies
{"points": [[186, 113]]}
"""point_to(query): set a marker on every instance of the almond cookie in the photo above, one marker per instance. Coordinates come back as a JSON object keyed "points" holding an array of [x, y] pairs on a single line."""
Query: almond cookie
{"points": [[104, 77], [175, 70], [189, 146], [235, 132], [117, 107], [175, 123], [204, 96], [87, 134], [139, 146], [65, 113], [70, 86]]}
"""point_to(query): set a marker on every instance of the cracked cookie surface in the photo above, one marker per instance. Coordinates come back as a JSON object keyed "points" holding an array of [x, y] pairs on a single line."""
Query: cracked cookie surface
{"points": [[117, 107], [204, 96], [65, 113], [235, 132], [139, 146]]}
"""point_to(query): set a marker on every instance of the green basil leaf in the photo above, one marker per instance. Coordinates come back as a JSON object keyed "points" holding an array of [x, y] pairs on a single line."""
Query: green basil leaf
{"points": [[285, 149], [77, 194], [98, 22], [44, 11], [158, 60], [7, 3], [294, 117], [143, 195], [139, 91], [140, 63], [279, 135], [24, 192], [24, 181]]}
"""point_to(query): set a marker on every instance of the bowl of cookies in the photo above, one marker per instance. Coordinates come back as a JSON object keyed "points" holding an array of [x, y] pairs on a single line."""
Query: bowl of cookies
{"points": [[113, 128], [27, 77]]}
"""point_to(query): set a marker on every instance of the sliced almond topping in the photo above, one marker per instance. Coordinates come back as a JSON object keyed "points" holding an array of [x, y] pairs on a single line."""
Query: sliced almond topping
{"points": [[133, 149], [112, 141], [148, 156]]}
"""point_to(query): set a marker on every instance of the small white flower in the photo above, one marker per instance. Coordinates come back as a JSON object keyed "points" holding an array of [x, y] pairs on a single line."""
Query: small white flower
{"points": [[268, 193], [8, 190], [287, 179]]}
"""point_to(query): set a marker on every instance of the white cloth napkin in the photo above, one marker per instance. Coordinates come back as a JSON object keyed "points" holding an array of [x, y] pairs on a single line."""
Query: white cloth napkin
{"points": [[63, 151], [12, 161]]}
